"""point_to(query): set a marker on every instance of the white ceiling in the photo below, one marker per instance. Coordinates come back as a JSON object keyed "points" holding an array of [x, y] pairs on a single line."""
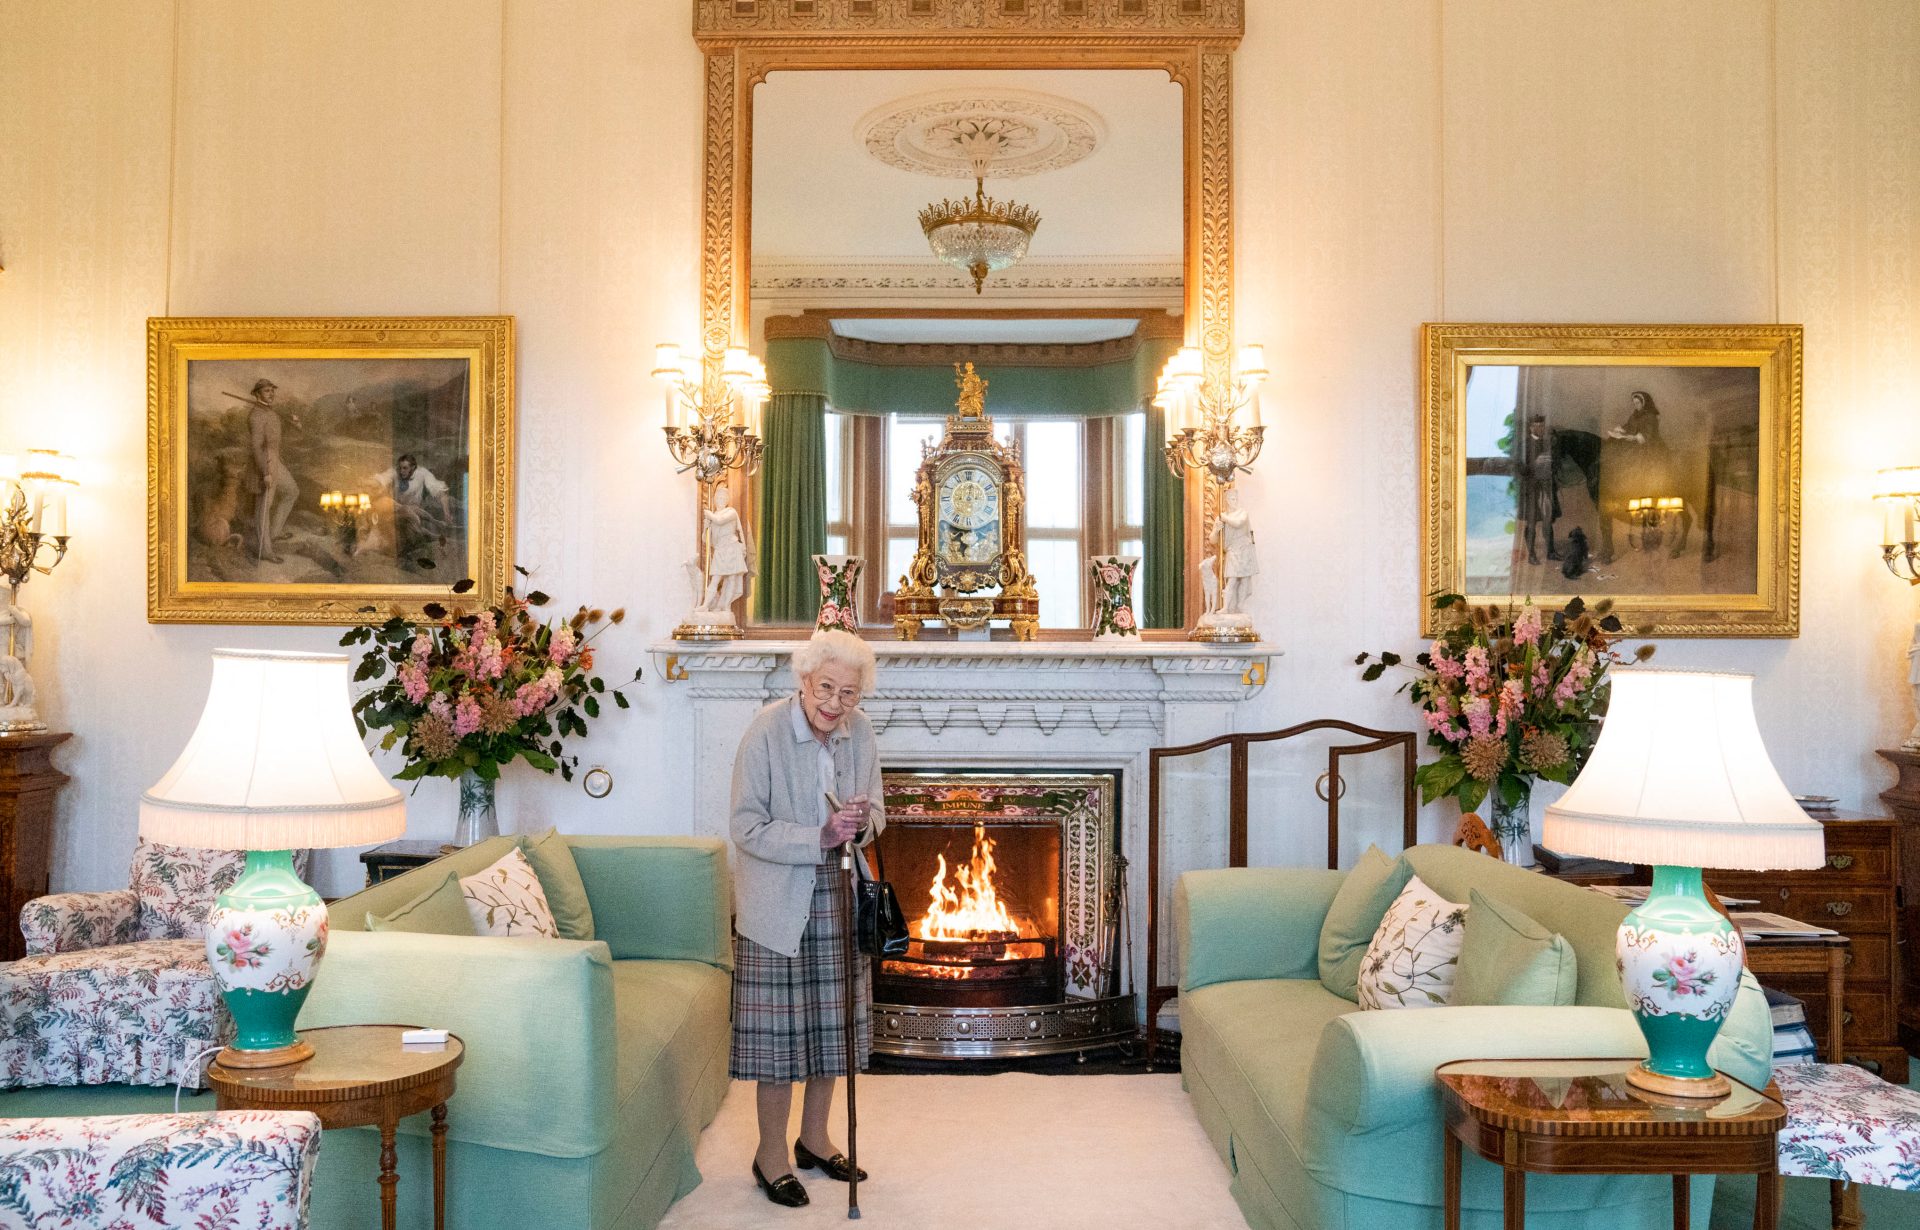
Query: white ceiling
{"points": [[979, 332], [819, 197]]}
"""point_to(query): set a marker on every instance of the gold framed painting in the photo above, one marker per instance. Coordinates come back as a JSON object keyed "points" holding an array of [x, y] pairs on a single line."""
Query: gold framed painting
{"points": [[1656, 465], [304, 470]]}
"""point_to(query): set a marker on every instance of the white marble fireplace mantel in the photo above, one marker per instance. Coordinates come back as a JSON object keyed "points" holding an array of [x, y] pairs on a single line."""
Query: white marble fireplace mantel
{"points": [[972, 705]]}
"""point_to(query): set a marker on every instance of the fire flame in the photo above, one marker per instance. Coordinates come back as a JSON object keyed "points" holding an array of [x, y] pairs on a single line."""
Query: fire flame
{"points": [[972, 910]]}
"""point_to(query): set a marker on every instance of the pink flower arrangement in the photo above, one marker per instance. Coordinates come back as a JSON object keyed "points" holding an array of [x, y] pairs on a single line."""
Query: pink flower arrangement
{"points": [[1509, 696], [471, 691]]}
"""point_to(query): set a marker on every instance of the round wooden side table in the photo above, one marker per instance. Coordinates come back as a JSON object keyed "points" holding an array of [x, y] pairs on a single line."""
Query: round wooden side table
{"points": [[1579, 1116], [359, 1075]]}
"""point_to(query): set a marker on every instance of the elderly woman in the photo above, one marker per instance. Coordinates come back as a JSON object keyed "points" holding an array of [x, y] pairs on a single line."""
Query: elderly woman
{"points": [[791, 902]]}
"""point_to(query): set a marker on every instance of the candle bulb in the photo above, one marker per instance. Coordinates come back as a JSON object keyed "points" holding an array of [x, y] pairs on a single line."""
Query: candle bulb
{"points": [[1906, 509], [56, 517]]}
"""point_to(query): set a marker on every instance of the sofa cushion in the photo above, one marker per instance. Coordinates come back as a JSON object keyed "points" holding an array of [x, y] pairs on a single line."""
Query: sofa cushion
{"points": [[1507, 958], [670, 1033], [1588, 920], [559, 874], [441, 910], [506, 899], [1415, 955], [1355, 915], [1255, 1042]]}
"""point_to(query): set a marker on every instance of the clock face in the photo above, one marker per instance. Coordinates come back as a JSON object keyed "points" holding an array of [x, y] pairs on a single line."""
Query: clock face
{"points": [[968, 521]]}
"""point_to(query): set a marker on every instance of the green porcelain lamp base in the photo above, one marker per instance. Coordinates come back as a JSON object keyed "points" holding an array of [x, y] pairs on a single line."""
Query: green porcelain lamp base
{"points": [[1680, 964], [265, 938]]}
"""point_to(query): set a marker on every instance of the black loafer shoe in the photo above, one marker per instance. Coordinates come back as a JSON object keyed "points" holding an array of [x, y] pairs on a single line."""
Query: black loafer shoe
{"points": [[785, 1190], [836, 1167]]}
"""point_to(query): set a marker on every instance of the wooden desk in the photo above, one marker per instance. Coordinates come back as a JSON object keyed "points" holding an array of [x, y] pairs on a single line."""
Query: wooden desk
{"points": [[359, 1076], [1816, 955], [1579, 1116], [398, 857]]}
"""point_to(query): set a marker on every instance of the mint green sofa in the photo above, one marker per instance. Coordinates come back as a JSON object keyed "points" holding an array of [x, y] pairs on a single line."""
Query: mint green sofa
{"points": [[1328, 1118], [590, 1067]]}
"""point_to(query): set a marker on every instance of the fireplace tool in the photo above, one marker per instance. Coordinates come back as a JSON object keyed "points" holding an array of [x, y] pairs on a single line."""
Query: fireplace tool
{"points": [[850, 951]]}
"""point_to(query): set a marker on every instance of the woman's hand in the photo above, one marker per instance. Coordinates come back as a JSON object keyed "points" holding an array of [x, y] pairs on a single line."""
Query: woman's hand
{"points": [[844, 825]]}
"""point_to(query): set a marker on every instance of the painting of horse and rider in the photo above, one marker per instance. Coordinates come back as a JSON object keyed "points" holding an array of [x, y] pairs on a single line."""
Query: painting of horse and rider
{"points": [[1650, 478]]}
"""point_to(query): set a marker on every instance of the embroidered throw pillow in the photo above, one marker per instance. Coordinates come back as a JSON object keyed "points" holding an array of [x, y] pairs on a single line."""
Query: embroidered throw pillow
{"points": [[1415, 953], [506, 899]]}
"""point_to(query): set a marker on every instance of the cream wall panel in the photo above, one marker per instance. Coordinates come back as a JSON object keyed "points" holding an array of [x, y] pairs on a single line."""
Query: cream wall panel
{"points": [[1336, 237], [1606, 161], [603, 166], [84, 119], [338, 158]]}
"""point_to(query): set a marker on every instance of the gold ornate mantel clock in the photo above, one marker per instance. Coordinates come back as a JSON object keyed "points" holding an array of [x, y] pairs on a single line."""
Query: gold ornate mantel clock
{"points": [[971, 495]]}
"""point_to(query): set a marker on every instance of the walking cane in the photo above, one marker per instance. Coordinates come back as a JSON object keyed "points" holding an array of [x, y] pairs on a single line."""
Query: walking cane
{"points": [[849, 923]]}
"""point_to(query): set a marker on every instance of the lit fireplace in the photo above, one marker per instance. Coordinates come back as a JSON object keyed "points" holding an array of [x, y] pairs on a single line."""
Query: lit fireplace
{"points": [[1006, 882], [981, 932]]}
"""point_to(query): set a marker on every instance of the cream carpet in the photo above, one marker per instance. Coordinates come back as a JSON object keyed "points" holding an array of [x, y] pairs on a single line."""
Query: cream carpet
{"points": [[1007, 1152]]}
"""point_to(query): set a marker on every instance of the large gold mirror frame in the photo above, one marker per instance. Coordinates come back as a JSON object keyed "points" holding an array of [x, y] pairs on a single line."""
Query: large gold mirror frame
{"points": [[1191, 40]]}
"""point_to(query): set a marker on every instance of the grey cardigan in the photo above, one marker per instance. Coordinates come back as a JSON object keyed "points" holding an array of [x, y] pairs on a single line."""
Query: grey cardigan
{"points": [[777, 816]]}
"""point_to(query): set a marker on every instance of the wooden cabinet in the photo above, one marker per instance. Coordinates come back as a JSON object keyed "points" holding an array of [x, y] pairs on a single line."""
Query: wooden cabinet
{"points": [[1904, 802], [28, 783], [1858, 895]]}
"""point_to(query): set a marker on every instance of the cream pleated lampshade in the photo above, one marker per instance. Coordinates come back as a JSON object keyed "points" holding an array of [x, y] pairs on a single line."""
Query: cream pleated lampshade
{"points": [[275, 763], [1681, 778]]}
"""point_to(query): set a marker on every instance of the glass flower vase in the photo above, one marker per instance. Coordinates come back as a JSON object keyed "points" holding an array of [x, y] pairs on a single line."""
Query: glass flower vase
{"points": [[478, 820], [1513, 825], [839, 592]]}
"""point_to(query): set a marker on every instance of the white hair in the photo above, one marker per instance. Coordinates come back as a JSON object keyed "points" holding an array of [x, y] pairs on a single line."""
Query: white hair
{"points": [[833, 645]]}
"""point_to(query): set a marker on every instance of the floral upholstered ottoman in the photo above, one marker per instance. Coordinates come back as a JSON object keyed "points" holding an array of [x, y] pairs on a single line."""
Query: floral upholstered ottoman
{"points": [[1846, 1124], [130, 1014], [128, 1172]]}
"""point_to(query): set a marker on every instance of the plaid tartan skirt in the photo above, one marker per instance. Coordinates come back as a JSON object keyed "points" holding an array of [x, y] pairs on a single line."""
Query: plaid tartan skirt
{"points": [[789, 1013]]}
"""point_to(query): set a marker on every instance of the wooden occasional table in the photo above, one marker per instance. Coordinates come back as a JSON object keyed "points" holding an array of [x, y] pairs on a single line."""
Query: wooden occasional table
{"points": [[1579, 1116], [359, 1075]]}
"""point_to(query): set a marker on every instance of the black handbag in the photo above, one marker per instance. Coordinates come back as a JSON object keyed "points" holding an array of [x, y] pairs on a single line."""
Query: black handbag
{"points": [[880, 928]]}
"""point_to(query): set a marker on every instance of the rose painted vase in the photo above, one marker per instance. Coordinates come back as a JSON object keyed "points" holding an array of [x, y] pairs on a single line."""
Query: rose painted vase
{"points": [[265, 938], [839, 596], [1113, 596], [1680, 962]]}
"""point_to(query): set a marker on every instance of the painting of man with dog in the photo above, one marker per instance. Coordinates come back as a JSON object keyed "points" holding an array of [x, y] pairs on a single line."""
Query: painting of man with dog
{"points": [[265, 439], [1653, 465], [325, 478]]}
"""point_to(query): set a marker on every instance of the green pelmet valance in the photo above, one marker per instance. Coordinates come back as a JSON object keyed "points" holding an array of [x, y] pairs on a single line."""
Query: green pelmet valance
{"points": [[808, 365]]}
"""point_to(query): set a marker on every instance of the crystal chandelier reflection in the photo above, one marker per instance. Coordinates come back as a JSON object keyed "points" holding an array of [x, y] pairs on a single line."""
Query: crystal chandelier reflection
{"points": [[980, 236]]}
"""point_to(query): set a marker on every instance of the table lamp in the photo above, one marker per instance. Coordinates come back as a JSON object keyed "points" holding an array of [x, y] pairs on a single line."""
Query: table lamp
{"points": [[274, 766], [1680, 779]]}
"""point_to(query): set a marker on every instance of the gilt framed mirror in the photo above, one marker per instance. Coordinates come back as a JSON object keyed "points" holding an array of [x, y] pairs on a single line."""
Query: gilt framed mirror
{"points": [[837, 133]]}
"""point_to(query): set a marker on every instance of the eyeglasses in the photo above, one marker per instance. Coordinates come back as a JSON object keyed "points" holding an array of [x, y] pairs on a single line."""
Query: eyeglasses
{"points": [[824, 692]]}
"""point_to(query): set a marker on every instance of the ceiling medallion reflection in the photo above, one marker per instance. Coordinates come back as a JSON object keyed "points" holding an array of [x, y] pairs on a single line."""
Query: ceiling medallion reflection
{"points": [[955, 134]]}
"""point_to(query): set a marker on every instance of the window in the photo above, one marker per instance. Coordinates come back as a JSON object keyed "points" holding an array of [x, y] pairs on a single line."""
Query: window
{"points": [[839, 431], [1084, 497]]}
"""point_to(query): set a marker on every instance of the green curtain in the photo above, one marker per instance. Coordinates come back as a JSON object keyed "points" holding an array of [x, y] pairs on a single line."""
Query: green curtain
{"points": [[1163, 601], [853, 387], [793, 508]]}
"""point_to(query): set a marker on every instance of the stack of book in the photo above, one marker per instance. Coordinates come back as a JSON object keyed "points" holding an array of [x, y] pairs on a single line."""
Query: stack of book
{"points": [[1792, 1040]]}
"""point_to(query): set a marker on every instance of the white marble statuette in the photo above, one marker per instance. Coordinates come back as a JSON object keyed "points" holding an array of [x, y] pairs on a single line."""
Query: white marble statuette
{"points": [[1226, 589], [17, 712], [1913, 679], [729, 563]]}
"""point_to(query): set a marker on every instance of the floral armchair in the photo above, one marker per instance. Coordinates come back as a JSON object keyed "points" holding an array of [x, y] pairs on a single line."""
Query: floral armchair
{"points": [[115, 987], [125, 1172]]}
